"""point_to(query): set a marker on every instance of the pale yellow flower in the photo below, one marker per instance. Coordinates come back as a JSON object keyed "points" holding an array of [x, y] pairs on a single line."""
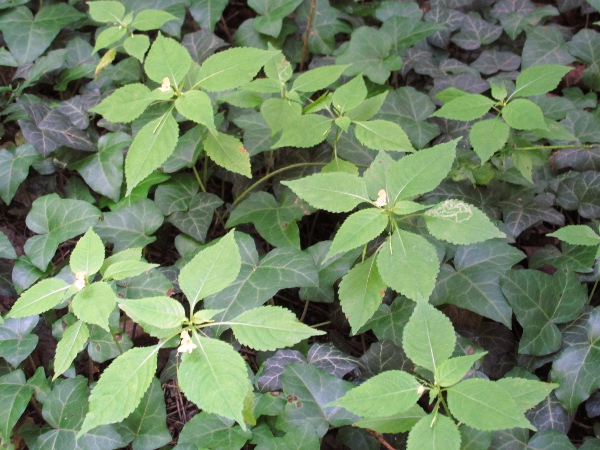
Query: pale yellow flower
{"points": [[186, 343], [382, 199], [420, 390], [79, 280], [166, 85]]}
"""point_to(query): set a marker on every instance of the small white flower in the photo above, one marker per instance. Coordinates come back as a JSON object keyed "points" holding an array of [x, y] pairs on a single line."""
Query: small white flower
{"points": [[382, 199], [186, 343], [166, 85], [420, 390], [79, 280]]}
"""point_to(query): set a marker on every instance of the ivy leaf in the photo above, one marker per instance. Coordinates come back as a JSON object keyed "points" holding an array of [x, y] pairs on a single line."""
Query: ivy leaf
{"points": [[522, 114], [7, 251], [333, 192], [214, 377], [465, 108], [14, 168], [327, 22], [270, 328], [459, 223], [39, 298], [125, 104], [391, 392], [523, 211], [333, 361], [167, 58], [539, 80], [305, 131], [88, 254], [540, 302], [577, 235], [161, 317], [15, 394], [121, 387], [475, 32], [228, 152], [17, 340], [272, 14], [409, 264], [358, 229], [485, 405], [545, 45], [94, 303], [585, 47], [428, 338], [212, 430], [428, 433], [196, 220], [383, 135], [487, 137], [211, 270], [207, 12], [71, 343], [196, 106], [151, 147]]}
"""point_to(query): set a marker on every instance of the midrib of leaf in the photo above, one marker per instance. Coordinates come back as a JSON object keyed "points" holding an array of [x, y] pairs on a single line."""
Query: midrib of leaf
{"points": [[484, 405], [64, 288], [531, 300], [476, 287]]}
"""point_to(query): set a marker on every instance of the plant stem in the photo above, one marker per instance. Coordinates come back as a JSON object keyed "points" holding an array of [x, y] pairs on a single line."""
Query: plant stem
{"points": [[593, 289], [322, 324], [272, 174], [555, 147], [198, 179], [311, 13], [117, 343]]}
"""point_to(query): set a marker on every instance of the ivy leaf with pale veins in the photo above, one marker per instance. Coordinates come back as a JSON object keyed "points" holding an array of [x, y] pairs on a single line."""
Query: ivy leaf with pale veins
{"points": [[475, 32], [15, 394], [524, 210], [272, 14], [17, 340], [332, 360], [540, 302], [545, 45], [207, 12], [213, 431], [585, 46], [326, 23], [581, 192], [14, 168], [269, 379], [196, 219]]}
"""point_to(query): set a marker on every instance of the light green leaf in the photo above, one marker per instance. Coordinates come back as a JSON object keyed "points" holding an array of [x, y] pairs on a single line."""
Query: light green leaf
{"points": [[420, 172], [398, 423], [487, 137], [305, 131], [526, 393], [367, 109], [383, 135], [94, 303], [577, 235], [358, 229], [349, 95], [196, 106], [232, 68], [428, 338], [167, 58], [228, 152], [539, 80], [211, 270], [121, 387], [361, 291], [270, 328], [88, 254], [459, 223], [279, 112], [14, 397], [39, 298], [137, 45], [108, 37], [465, 108], [440, 433], [409, 264], [215, 378], [151, 19], [126, 269], [71, 343], [333, 192], [14, 168], [151, 147], [452, 370], [272, 14], [391, 392], [522, 114], [163, 313], [125, 104], [106, 11], [485, 405], [317, 79]]}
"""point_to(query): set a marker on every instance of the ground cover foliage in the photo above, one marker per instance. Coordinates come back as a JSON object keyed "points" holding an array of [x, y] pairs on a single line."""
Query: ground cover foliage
{"points": [[299, 224]]}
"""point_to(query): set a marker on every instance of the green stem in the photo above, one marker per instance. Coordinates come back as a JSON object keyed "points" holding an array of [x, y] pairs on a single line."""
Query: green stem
{"points": [[271, 175], [445, 406], [117, 343], [593, 289], [322, 324], [555, 147], [198, 179]]}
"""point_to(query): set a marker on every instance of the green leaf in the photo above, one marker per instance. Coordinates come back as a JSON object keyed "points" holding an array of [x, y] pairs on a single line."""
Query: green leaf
{"points": [[487, 137], [383, 135], [545, 45], [539, 80], [106, 11], [349, 95], [358, 229], [420, 172], [361, 291], [213, 431], [211, 270], [71, 343], [137, 45], [196, 106], [272, 14], [459, 223], [279, 112], [522, 114], [163, 313], [333, 192], [214, 377], [465, 108], [88, 254], [151, 147], [428, 338], [14, 168], [319, 78], [207, 12], [391, 392], [56, 220], [270, 328], [94, 303], [198, 217], [540, 302], [121, 387], [409, 264], [228, 152], [151, 19], [14, 396], [167, 58], [485, 405], [108, 37], [398, 423], [126, 269], [6, 249], [577, 235], [367, 109], [452, 370], [17, 340], [434, 433], [526, 393], [125, 104], [305, 131], [232, 68], [39, 298]]}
